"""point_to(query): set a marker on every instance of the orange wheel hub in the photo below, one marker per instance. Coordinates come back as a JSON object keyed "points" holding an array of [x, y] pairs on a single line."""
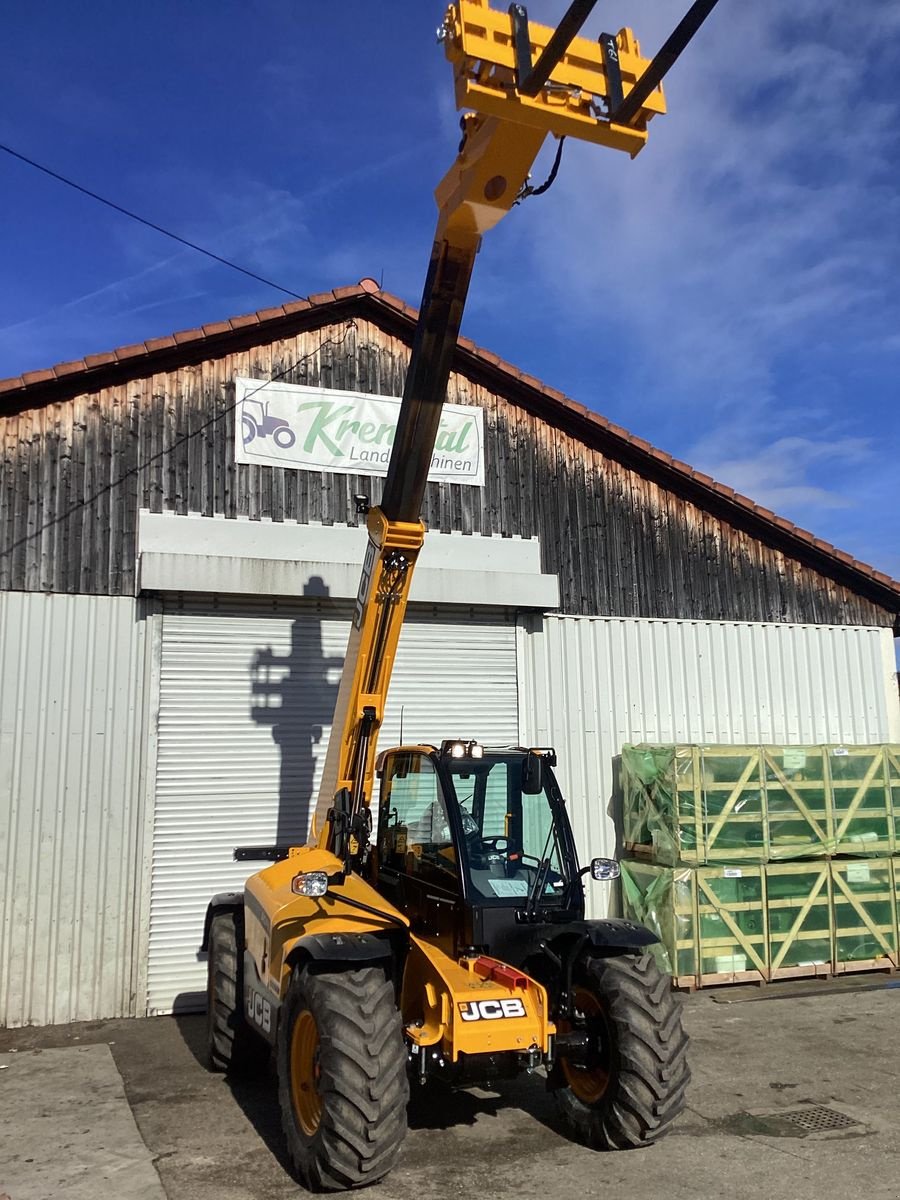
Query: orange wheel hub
{"points": [[588, 1083], [305, 1072]]}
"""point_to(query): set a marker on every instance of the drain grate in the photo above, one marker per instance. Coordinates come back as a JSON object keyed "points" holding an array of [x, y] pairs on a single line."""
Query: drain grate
{"points": [[818, 1119]]}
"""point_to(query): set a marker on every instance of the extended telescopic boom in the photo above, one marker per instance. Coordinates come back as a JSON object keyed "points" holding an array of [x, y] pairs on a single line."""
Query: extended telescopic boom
{"points": [[518, 82]]}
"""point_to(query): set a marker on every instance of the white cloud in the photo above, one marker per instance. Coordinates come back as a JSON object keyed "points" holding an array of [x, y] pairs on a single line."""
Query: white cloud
{"points": [[738, 279], [778, 475], [757, 215]]}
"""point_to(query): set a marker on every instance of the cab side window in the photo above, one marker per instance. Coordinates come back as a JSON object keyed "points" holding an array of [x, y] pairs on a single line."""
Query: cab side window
{"points": [[413, 827], [494, 820]]}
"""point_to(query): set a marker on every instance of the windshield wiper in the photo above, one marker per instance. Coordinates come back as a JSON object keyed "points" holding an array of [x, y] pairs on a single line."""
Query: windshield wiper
{"points": [[539, 880]]}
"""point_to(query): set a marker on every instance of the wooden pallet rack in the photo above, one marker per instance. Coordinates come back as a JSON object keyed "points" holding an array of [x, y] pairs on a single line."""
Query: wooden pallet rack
{"points": [[765, 922], [731, 804], [892, 766]]}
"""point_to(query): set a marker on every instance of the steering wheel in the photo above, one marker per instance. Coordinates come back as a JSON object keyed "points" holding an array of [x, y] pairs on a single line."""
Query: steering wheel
{"points": [[483, 849], [493, 843]]}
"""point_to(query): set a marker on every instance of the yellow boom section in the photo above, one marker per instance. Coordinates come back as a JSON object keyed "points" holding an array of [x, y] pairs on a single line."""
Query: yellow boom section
{"points": [[518, 82], [480, 43]]}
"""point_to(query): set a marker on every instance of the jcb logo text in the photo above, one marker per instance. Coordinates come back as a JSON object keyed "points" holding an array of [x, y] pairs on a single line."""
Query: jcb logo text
{"points": [[259, 1011], [490, 1010]]}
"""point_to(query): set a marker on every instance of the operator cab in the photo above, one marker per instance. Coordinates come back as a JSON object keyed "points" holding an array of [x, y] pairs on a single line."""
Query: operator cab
{"points": [[474, 844]]}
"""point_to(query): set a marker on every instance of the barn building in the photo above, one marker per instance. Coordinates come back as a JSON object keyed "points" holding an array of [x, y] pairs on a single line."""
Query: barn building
{"points": [[175, 590]]}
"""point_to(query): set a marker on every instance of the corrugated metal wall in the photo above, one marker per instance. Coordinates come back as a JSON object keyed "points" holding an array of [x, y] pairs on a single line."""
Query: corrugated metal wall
{"points": [[587, 685], [78, 730], [73, 671]]}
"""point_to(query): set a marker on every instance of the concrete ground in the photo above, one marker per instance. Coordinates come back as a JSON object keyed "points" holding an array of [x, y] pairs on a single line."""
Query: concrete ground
{"points": [[210, 1139]]}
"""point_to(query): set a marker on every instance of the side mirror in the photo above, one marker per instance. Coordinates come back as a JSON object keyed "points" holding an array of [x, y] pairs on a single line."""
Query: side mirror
{"points": [[532, 774], [604, 868]]}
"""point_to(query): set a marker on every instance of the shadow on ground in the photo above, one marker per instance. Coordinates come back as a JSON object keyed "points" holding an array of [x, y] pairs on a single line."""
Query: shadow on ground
{"points": [[432, 1106], [256, 1095]]}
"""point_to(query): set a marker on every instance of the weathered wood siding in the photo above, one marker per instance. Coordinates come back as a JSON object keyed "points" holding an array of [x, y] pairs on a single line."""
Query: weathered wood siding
{"points": [[74, 474]]}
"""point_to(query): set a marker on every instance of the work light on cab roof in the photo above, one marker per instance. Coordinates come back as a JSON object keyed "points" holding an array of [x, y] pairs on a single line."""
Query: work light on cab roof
{"points": [[461, 749]]}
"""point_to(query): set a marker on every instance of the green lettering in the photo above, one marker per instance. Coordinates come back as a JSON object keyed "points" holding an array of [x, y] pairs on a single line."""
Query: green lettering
{"points": [[346, 427], [323, 418], [462, 442], [386, 432], [366, 429], [453, 443]]}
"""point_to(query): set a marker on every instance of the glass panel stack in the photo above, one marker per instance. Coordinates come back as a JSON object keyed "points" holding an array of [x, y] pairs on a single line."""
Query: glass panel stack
{"points": [[761, 862]]}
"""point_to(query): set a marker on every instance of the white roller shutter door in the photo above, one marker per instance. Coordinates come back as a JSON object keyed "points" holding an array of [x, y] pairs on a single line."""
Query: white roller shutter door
{"points": [[246, 698]]}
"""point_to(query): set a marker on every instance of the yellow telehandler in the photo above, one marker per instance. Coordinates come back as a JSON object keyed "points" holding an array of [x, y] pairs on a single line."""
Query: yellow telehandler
{"points": [[449, 942]]}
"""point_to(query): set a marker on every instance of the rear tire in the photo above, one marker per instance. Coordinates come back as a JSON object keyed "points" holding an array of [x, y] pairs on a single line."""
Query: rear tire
{"points": [[232, 1045], [342, 1082], [636, 1088]]}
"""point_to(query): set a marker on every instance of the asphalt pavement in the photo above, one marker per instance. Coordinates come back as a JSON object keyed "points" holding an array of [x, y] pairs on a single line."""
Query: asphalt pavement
{"points": [[125, 1110]]}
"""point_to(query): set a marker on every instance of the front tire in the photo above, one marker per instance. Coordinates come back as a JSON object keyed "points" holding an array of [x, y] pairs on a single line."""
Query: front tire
{"points": [[633, 1087], [231, 1043], [342, 1082]]}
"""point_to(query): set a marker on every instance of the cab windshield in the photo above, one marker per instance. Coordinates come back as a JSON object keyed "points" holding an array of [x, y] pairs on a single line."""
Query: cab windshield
{"points": [[510, 838]]}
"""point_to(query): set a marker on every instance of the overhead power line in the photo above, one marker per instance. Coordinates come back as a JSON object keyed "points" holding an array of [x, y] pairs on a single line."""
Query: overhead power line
{"points": [[126, 212]]}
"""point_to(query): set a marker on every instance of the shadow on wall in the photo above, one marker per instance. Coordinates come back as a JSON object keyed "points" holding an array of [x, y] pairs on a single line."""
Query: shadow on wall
{"points": [[292, 695]]}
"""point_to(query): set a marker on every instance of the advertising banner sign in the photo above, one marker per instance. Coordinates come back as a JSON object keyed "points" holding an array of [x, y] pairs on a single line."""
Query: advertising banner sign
{"points": [[318, 429]]}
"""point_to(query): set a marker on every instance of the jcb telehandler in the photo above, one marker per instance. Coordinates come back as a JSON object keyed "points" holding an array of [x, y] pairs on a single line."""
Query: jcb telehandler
{"points": [[450, 944]]}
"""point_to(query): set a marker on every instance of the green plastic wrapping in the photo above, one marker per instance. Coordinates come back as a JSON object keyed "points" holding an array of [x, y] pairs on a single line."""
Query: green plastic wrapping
{"points": [[799, 915], [798, 809], [865, 910], [731, 917], [662, 899], [892, 765], [763, 921], [692, 804], [861, 799], [658, 808]]}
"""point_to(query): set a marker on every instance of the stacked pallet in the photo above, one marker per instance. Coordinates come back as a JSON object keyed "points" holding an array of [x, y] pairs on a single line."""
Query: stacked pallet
{"points": [[764, 862]]}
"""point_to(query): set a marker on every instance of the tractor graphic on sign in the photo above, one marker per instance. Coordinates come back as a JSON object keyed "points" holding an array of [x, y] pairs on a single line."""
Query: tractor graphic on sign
{"points": [[257, 421]]}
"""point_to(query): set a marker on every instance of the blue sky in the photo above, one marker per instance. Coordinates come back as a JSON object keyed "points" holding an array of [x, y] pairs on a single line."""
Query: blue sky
{"points": [[732, 295]]}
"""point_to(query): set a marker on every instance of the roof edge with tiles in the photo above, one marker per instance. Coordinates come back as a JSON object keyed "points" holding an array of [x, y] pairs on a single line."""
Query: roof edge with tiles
{"points": [[44, 386]]}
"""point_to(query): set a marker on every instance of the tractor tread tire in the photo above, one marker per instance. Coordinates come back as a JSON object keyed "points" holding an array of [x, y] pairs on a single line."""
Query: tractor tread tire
{"points": [[232, 1045], [650, 1071], [363, 1082]]}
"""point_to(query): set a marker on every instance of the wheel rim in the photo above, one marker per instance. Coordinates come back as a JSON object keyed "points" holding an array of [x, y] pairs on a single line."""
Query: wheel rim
{"points": [[589, 1082], [305, 1073]]}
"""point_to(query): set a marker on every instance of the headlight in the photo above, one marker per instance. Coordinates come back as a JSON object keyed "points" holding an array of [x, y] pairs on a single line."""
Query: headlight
{"points": [[310, 883], [476, 751]]}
